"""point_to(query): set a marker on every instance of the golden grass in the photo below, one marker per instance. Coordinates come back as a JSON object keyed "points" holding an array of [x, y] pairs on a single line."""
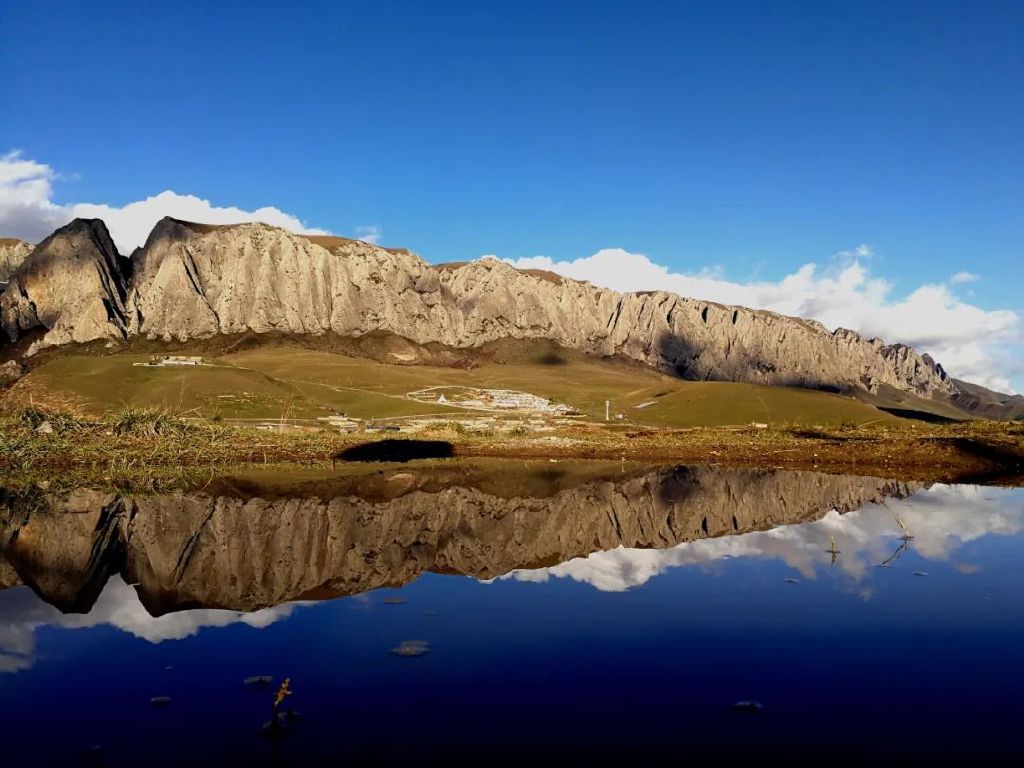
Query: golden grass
{"points": [[145, 444]]}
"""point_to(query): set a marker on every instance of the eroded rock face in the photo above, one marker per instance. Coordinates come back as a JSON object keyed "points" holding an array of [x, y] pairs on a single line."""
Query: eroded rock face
{"points": [[197, 282], [10, 372], [241, 552], [191, 281], [12, 254], [72, 286]]}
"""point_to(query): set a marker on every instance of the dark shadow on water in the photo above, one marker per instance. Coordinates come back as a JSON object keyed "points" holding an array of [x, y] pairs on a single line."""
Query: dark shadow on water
{"points": [[551, 358], [398, 450], [1008, 464]]}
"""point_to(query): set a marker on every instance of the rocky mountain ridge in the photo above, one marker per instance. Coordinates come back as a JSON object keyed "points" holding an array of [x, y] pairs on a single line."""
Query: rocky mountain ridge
{"points": [[194, 281]]}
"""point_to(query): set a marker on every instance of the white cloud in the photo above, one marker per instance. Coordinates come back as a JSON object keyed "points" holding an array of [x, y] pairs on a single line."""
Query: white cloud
{"points": [[129, 225], [28, 211], [370, 234], [964, 277], [941, 519], [25, 191], [971, 343]]}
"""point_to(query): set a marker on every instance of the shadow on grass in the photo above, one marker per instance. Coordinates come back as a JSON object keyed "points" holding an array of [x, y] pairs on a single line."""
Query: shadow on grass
{"points": [[925, 416], [818, 434], [398, 450]]}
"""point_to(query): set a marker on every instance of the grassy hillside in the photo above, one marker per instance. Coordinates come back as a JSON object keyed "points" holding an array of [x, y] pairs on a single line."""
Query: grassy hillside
{"points": [[291, 381]]}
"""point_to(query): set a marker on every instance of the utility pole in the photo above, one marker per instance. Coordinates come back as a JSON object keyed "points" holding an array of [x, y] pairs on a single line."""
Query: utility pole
{"points": [[607, 410]]}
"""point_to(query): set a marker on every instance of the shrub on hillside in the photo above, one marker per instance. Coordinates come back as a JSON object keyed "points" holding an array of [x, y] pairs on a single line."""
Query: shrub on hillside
{"points": [[148, 422]]}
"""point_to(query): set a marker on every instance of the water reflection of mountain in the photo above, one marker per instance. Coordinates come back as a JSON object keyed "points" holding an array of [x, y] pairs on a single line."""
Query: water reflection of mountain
{"points": [[244, 546]]}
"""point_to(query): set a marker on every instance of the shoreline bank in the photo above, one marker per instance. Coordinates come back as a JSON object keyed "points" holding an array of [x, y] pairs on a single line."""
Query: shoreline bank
{"points": [[40, 444]]}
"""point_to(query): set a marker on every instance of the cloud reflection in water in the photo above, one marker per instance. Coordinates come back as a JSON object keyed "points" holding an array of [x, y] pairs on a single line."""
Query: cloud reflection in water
{"points": [[22, 613], [941, 520]]}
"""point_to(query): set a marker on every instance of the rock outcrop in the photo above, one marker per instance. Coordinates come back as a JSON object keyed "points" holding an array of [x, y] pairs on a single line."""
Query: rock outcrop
{"points": [[191, 281], [10, 372], [251, 551], [12, 254], [72, 286]]}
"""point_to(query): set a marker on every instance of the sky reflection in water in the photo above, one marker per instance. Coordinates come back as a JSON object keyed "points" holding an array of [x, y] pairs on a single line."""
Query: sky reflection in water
{"points": [[630, 651]]}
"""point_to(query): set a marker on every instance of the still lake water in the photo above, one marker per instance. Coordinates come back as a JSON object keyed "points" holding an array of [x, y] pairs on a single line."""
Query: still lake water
{"points": [[541, 612]]}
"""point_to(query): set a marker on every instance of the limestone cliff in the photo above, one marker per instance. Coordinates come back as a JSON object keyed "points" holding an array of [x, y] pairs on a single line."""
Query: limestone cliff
{"points": [[194, 281], [12, 253], [191, 281], [72, 285], [250, 551]]}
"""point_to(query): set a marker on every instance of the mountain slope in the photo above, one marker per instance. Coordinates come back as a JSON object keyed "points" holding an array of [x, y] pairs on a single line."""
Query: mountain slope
{"points": [[980, 401], [195, 282], [285, 380]]}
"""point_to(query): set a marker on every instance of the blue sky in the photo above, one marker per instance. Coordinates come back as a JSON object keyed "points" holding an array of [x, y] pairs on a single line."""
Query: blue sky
{"points": [[751, 138]]}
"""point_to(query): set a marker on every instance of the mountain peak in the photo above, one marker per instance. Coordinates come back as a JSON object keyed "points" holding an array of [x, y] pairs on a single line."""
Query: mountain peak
{"points": [[73, 285]]}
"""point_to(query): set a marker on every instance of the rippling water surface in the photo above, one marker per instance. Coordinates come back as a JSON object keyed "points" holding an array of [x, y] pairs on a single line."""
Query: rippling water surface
{"points": [[491, 610]]}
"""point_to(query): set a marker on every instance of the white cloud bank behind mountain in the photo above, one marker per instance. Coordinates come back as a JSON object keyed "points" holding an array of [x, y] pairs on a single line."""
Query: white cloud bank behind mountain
{"points": [[27, 209], [972, 343]]}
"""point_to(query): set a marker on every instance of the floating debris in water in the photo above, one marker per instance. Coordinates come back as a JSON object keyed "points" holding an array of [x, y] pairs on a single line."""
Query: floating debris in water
{"points": [[168, 668], [748, 707], [282, 692], [792, 581], [160, 701], [394, 600], [258, 680], [411, 648], [276, 726], [430, 613], [920, 573]]}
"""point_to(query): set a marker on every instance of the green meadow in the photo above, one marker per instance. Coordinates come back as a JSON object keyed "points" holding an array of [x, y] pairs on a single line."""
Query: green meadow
{"points": [[289, 381]]}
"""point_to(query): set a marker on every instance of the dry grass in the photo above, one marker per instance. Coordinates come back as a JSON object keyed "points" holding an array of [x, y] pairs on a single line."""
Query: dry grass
{"points": [[139, 446]]}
